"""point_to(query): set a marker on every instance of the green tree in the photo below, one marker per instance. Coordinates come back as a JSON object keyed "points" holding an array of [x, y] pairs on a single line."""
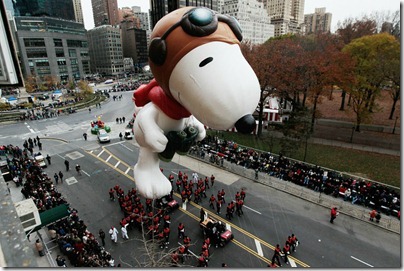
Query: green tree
{"points": [[369, 54]]}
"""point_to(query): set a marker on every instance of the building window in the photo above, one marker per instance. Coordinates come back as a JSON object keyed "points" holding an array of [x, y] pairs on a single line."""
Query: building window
{"points": [[77, 43], [72, 53], [61, 62], [36, 53], [84, 53], [34, 42], [58, 42], [60, 52]]}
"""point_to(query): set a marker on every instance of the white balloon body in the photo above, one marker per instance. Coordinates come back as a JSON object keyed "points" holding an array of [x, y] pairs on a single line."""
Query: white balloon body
{"points": [[216, 94]]}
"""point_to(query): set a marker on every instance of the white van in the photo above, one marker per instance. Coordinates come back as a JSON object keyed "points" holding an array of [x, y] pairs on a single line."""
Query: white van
{"points": [[109, 81]]}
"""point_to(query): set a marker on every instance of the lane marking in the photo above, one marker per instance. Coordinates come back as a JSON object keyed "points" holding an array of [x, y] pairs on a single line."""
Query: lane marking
{"points": [[117, 164], [228, 227], [85, 173], [292, 262], [259, 248], [174, 172], [184, 205], [109, 157], [252, 210], [126, 172], [126, 147], [361, 261], [100, 153]]}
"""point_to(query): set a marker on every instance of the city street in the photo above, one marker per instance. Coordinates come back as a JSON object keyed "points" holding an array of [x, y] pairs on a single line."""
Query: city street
{"points": [[269, 215]]}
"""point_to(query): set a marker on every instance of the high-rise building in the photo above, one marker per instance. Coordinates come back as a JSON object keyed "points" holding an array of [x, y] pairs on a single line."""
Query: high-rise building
{"points": [[105, 50], [134, 43], [286, 15], [253, 18], [318, 22], [55, 47], [144, 18], [105, 12], [159, 8], [78, 11], [62, 9]]}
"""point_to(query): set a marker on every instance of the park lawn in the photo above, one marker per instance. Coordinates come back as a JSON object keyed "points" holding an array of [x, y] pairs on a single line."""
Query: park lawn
{"points": [[374, 166]]}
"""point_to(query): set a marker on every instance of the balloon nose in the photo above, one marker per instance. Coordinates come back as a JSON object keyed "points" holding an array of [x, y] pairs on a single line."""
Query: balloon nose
{"points": [[246, 124]]}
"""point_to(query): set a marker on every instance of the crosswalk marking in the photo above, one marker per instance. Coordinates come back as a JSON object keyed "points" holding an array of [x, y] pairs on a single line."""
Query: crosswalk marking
{"points": [[292, 262], [126, 172], [259, 248], [116, 165], [100, 153], [108, 158]]}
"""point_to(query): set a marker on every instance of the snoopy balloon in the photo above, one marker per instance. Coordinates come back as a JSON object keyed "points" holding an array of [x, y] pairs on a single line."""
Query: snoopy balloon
{"points": [[200, 79]]}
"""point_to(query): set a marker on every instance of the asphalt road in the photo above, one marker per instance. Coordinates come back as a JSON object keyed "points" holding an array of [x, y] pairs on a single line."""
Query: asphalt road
{"points": [[269, 215]]}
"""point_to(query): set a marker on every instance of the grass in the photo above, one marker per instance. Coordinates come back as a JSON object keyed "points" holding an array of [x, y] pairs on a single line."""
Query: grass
{"points": [[374, 166]]}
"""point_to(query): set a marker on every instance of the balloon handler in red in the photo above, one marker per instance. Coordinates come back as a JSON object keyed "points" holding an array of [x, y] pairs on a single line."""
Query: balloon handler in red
{"points": [[201, 78]]}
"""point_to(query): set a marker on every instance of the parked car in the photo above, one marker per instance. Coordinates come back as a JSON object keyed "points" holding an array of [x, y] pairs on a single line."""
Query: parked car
{"points": [[103, 136]]}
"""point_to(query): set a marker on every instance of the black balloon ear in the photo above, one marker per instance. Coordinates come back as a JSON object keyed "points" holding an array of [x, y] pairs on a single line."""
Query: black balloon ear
{"points": [[157, 51]]}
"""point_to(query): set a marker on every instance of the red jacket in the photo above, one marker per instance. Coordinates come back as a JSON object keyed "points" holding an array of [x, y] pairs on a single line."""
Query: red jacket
{"points": [[333, 212]]}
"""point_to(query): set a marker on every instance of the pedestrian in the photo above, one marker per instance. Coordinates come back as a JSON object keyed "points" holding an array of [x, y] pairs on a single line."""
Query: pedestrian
{"points": [[111, 194], [39, 247], [239, 207], [89, 110], [101, 234], [48, 158], [117, 120], [113, 232], [123, 119], [56, 177], [78, 169], [212, 201], [372, 215], [40, 146], [120, 120], [181, 230], [218, 206], [61, 176], [120, 136], [277, 253], [166, 233], [286, 252], [212, 180], [222, 193], [124, 232], [228, 211], [378, 217], [60, 261], [294, 242], [334, 214], [242, 194], [67, 165], [85, 136]]}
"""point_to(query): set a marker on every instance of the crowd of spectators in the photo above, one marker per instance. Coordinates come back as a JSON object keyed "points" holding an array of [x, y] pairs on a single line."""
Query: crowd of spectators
{"points": [[358, 191], [74, 240]]}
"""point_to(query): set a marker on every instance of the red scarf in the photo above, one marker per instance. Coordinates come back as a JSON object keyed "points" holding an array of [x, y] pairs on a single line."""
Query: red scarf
{"points": [[152, 92]]}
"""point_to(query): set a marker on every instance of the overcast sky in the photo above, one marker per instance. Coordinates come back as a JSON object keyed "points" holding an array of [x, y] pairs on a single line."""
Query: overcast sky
{"points": [[340, 9]]}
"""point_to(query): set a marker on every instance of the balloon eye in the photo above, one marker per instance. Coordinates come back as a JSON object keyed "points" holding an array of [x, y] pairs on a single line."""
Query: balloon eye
{"points": [[205, 61], [201, 17]]}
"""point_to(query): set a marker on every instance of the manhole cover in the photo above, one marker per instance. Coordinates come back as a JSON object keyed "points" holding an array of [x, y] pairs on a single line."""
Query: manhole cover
{"points": [[71, 180], [74, 155]]}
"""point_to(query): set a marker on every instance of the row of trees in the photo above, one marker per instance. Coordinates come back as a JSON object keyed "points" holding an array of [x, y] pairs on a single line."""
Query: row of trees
{"points": [[302, 69]]}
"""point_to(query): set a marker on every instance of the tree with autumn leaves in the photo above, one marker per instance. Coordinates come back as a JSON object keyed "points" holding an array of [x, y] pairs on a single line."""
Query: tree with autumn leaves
{"points": [[297, 68]]}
